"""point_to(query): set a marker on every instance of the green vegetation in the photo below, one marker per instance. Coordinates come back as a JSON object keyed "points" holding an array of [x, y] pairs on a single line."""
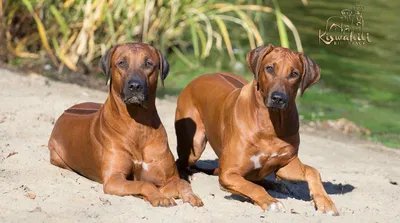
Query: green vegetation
{"points": [[77, 32], [360, 83]]}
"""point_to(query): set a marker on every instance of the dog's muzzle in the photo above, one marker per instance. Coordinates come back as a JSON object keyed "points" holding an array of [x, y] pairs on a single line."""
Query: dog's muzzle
{"points": [[277, 100], [135, 91]]}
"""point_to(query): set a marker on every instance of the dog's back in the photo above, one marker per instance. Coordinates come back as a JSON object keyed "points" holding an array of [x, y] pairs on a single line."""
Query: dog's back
{"points": [[207, 91], [86, 108]]}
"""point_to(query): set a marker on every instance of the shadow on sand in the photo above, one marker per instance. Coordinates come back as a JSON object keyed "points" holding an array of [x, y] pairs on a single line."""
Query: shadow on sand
{"points": [[283, 189]]}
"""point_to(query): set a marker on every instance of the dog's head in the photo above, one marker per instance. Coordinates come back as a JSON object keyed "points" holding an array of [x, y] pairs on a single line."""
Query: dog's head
{"points": [[133, 69], [280, 72]]}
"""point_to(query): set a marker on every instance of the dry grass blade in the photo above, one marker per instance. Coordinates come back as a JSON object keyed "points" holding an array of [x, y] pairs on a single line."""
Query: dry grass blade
{"points": [[42, 32], [296, 34], [202, 37], [224, 7], [149, 6], [225, 35], [240, 22], [60, 53], [209, 31], [81, 30]]}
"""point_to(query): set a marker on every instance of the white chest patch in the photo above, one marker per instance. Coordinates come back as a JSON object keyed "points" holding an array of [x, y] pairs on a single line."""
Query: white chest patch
{"points": [[256, 158], [277, 155], [145, 166], [283, 154]]}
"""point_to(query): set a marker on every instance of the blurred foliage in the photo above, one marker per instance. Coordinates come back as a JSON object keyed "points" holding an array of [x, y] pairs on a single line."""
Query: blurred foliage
{"points": [[76, 32]]}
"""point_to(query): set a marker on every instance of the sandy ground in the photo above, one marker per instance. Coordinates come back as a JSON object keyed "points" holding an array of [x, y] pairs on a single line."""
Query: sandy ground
{"points": [[360, 177]]}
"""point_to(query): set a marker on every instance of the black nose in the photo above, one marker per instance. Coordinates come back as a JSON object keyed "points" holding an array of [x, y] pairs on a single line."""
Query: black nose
{"points": [[279, 98], [134, 86]]}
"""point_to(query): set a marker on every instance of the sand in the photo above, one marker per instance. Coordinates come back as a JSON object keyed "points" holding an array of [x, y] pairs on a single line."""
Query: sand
{"points": [[360, 176]]}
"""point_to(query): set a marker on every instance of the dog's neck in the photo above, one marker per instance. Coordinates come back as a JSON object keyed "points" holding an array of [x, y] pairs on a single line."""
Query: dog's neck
{"points": [[285, 122]]}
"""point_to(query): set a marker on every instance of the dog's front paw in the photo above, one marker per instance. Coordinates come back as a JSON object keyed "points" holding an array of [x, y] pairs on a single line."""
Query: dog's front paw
{"points": [[161, 201], [193, 199], [271, 205], [325, 205]]}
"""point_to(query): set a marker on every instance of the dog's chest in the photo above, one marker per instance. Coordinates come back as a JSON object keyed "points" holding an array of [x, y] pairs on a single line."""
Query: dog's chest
{"points": [[143, 171], [149, 170], [140, 166], [261, 160], [265, 161]]}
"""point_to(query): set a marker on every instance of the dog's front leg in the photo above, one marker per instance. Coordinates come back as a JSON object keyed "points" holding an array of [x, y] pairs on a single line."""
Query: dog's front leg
{"points": [[164, 174], [297, 171], [236, 184], [179, 188], [116, 168], [118, 185]]}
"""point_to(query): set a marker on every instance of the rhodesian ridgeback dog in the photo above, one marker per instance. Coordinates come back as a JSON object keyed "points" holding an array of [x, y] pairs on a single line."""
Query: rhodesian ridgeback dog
{"points": [[252, 127], [122, 143]]}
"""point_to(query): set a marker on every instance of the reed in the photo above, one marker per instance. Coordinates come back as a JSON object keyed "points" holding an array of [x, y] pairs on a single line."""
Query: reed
{"points": [[77, 32]]}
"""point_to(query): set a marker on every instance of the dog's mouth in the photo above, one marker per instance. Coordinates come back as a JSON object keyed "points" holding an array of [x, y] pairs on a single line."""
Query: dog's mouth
{"points": [[275, 107], [136, 100]]}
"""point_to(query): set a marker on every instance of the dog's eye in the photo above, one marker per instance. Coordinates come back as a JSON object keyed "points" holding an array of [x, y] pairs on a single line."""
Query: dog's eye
{"points": [[294, 74], [149, 64], [121, 63], [269, 68]]}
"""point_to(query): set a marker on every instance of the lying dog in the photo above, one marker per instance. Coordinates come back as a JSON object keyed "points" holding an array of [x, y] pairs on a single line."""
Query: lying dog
{"points": [[124, 138], [252, 127]]}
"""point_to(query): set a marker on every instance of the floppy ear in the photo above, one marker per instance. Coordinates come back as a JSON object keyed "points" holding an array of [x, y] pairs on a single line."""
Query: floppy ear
{"points": [[255, 57], [311, 73], [164, 67], [105, 62]]}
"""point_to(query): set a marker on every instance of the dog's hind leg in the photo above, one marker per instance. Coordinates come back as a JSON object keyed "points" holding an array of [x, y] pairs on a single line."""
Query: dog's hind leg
{"points": [[191, 138], [55, 158]]}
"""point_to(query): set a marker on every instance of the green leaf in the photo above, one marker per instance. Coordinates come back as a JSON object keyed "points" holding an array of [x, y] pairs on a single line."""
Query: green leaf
{"points": [[195, 39], [281, 26], [225, 35], [60, 20]]}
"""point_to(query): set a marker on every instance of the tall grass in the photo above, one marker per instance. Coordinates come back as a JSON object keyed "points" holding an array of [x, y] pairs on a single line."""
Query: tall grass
{"points": [[77, 32]]}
